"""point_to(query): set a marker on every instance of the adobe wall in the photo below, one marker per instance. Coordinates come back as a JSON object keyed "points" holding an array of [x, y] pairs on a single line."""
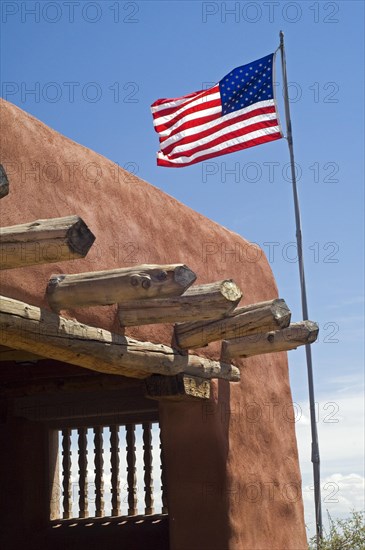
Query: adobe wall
{"points": [[232, 463]]}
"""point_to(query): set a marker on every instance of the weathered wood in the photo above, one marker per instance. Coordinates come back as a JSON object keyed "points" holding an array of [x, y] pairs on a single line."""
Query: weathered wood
{"points": [[66, 473], [204, 302], [44, 242], [98, 471], [164, 508], [118, 285], [130, 436], [297, 334], [260, 317], [83, 484], [148, 468], [10, 354], [4, 182], [41, 332], [177, 388], [114, 466]]}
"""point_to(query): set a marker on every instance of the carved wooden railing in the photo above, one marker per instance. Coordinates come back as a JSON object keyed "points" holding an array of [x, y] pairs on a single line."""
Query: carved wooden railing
{"points": [[84, 451]]}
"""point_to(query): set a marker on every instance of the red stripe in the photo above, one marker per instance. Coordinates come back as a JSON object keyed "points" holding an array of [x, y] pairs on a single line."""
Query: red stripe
{"points": [[226, 137], [233, 149], [191, 124], [193, 97], [204, 133], [195, 109]]}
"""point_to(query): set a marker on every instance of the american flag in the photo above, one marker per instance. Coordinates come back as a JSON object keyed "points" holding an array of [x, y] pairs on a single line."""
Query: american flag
{"points": [[238, 112]]}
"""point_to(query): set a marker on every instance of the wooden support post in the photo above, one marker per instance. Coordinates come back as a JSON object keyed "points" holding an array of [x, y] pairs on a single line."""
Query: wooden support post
{"points": [[114, 466], [177, 388], [99, 478], [44, 242], [297, 334], [44, 333], [258, 317], [164, 508], [148, 467], [118, 285], [131, 469], [204, 302], [83, 473], [66, 474], [4, 182]]}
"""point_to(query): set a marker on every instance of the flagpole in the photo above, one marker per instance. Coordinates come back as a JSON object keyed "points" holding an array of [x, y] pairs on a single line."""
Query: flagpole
{"points": [[315, 447]]}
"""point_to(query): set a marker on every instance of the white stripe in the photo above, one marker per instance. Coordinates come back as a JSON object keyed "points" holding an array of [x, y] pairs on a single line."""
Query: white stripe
{"points": [[179, 100], [212, 123], [201, 100], [231, 128], [221, 146], [192, 116]]}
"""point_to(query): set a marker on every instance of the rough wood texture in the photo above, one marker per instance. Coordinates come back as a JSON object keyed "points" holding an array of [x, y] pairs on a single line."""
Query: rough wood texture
{"points": [[204, 302], [115, 469], [297, 334], [44, 242], [66, 473], [118, 285], [148, 468], [4, 182], [177, 388], [43, 333], [260, 317]]}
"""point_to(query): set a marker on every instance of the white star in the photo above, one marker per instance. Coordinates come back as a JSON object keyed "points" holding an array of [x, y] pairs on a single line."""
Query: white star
{"points": [[250, 68]]}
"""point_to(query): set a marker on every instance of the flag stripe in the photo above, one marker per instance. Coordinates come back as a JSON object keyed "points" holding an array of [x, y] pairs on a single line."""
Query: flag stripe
{"points": [[179, 163], [195, 134], [165, 115]]}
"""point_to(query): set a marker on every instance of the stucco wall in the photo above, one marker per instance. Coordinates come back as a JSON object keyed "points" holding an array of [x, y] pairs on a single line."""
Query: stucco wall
{"points": [[233, 475]]}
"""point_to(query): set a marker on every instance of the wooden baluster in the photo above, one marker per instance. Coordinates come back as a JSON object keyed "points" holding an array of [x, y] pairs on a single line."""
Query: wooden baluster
{"points": [[83, 501], [147, 460], [131, 469], [114, 463], [66, 474], [163, 480], [99, 480]]}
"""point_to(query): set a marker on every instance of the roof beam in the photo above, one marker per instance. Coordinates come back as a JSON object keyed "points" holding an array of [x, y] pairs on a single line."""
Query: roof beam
{"points": [[260, 317], [44, 242], [41, 332], [118, 285], [204, 302], [297, 334], [4, 182]]}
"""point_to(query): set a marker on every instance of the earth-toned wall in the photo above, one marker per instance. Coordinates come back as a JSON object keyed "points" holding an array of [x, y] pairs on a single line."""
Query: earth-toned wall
{"points": [[232, 463]]}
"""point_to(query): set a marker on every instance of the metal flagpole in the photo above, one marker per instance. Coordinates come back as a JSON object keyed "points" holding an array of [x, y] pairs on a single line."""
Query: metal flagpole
{"points": [[315, 447]]}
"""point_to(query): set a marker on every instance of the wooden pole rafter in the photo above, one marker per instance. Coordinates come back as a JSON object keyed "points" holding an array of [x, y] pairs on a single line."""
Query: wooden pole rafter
{"points": [[44, 242], [205, 302], [297, 334], [118, 285], [4, 182], [260, 317]]}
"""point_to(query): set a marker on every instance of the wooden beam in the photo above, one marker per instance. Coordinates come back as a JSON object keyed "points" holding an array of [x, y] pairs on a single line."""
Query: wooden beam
{"points": [[44, 242], [4, 182], [258, 317], [297, 334], [9, 354], [181, 387], [118, 285], [204, 302], [41, 332]]}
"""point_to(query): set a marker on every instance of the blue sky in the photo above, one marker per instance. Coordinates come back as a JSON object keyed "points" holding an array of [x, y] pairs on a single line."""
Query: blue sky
{"points": [[95, 68]]}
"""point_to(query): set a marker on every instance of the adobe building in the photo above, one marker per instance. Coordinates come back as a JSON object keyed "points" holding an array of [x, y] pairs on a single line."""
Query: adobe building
{"points": [[115, 301]]}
